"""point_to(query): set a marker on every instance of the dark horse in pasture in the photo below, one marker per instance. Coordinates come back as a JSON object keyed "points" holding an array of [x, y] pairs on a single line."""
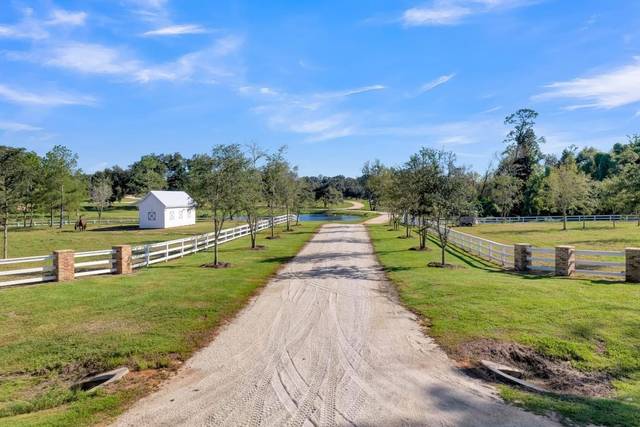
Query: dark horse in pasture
{"points": [[81, 224]]}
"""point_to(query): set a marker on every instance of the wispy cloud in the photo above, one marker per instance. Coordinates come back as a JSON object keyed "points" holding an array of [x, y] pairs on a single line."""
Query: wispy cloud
{"points": [[176, 30], [435, 83], [207, 65], [317, 116], [65, 17], [351, 92], [18, 127], [451, 12], [18, 96], [611, 89]]}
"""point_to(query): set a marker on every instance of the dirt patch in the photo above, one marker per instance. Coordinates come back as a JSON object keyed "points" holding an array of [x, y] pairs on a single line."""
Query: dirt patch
{"points": [[259, 248], [218, 265], [419, 249], [434, 264], [272, 237], [552, 374]]}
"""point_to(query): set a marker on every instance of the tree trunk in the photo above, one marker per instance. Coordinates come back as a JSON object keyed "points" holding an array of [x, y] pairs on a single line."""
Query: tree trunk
{"points": [[5, 238], [442, 252], [61, 206], [215, 243], [288, 222], [51, 217], [564, 222], [298, 218], [100, 216]]}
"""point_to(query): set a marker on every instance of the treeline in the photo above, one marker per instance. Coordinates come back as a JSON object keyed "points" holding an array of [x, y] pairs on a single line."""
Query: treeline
{"points": [[527, 182]]}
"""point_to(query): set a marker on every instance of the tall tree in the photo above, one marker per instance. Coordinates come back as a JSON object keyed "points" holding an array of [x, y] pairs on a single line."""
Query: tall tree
{"points": [[505, 193], [567, 190], [147, 174], [61, 172], [216, 181], [373, 182], [252, 193], [13, 186]]}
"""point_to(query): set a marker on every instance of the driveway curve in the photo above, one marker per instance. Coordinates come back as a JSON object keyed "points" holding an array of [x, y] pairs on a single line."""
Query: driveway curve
{"points": [[325, 344]]}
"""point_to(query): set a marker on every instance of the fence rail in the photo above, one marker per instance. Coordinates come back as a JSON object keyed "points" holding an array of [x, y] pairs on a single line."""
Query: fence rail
{"points": [[39, 269], [556, 218]]}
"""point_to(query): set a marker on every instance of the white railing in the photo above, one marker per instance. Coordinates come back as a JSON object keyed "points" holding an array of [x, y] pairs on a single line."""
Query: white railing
{"points": [[33, 269], [600, 263], [556, 218], [495, 252], [39, 269]]}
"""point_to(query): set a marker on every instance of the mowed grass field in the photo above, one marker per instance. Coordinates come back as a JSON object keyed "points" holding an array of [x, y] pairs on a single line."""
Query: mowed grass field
{"points": [[593, 326], [597, 235], [52, 335], [44, 240]]}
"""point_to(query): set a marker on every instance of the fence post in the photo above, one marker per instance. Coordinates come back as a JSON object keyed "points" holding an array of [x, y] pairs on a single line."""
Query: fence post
{"points": [[64, 265], [122, 258], [146, 255], [521, 252], [565, 260], [632, 264]]}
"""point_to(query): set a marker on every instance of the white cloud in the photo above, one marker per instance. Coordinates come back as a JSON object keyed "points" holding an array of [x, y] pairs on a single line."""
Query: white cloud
{"points": [[611, 89], [351, 92], [205, 66], [18, 127], [451, 12], [435, 83], [49, 99], [64, 17], [177, 30]]}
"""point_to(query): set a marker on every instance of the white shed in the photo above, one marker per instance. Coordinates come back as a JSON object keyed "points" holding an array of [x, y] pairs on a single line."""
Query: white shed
{"points": [[166, 209]]}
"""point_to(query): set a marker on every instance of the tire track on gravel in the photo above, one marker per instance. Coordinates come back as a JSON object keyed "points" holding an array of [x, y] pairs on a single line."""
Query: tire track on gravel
{"points": [[325, 344]]}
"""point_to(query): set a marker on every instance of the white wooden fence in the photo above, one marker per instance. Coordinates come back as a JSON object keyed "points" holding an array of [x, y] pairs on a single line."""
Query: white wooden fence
{"points": [[587, 262], [556, 218], [38, 269]]}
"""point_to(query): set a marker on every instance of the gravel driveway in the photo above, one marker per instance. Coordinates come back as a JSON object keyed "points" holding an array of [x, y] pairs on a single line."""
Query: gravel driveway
{"points": [[325, 344]]}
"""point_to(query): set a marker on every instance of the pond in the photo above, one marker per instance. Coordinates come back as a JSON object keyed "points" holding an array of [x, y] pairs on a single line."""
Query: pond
{"points": [[328, 217]]}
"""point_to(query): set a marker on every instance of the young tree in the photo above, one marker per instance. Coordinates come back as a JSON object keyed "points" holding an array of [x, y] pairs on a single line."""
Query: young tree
{"points": [[252, 193], [505, 193], [452, 198], [373, 183], [330, 196], [304, 197], [290, 192], [274, 176], [101, 192], [567, 190], [216, 181]]}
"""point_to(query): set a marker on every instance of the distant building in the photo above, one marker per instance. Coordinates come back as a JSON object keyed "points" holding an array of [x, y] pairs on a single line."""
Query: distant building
{"points": [[166, 209]]}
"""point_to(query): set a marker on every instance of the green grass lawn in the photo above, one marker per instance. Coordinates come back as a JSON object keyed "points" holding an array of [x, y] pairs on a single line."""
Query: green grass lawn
{"points": [[593, 325], [44, 240], [53, 334], [597, 235]]}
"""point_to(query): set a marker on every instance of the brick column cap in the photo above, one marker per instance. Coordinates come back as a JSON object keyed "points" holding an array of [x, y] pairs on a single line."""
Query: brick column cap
{"points": [[565, 247], [523, 244], [120, 246], [632, 249], [62, 251]]}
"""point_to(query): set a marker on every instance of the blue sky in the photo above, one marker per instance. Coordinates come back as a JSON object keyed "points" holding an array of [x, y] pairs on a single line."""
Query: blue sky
{"points": [[337, 82]]}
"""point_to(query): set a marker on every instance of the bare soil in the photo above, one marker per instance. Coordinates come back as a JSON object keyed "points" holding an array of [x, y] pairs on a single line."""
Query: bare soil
{"points": [[553, 374]]}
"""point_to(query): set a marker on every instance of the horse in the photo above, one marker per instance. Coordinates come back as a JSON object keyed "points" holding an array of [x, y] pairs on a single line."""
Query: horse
{"points": [[81, 224]]}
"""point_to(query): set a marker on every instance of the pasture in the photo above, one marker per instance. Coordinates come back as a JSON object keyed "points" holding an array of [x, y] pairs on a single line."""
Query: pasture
{"points": [[600, 235], [593, 326], [44, 240], [151, 321]]}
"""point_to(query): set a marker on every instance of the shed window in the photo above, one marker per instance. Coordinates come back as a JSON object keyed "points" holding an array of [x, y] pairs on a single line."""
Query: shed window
{"points": [[151, 216], [172, 215]]}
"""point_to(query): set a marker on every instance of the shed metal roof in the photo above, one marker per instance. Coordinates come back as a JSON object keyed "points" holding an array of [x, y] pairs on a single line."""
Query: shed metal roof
{"points": [[171, 199]]}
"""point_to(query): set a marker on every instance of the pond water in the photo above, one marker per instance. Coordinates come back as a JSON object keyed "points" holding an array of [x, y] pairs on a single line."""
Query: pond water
{"points": [[328, 217]]}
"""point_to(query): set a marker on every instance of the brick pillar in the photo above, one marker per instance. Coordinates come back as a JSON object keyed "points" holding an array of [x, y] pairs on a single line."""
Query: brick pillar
{"points": [[64, 265], [122, 257], [565, 260], [632, 270], [521, 252]]}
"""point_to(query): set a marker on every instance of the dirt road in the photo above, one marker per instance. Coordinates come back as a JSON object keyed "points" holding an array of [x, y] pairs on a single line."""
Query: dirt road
{"points": [[325, 344], [355, 205]]}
